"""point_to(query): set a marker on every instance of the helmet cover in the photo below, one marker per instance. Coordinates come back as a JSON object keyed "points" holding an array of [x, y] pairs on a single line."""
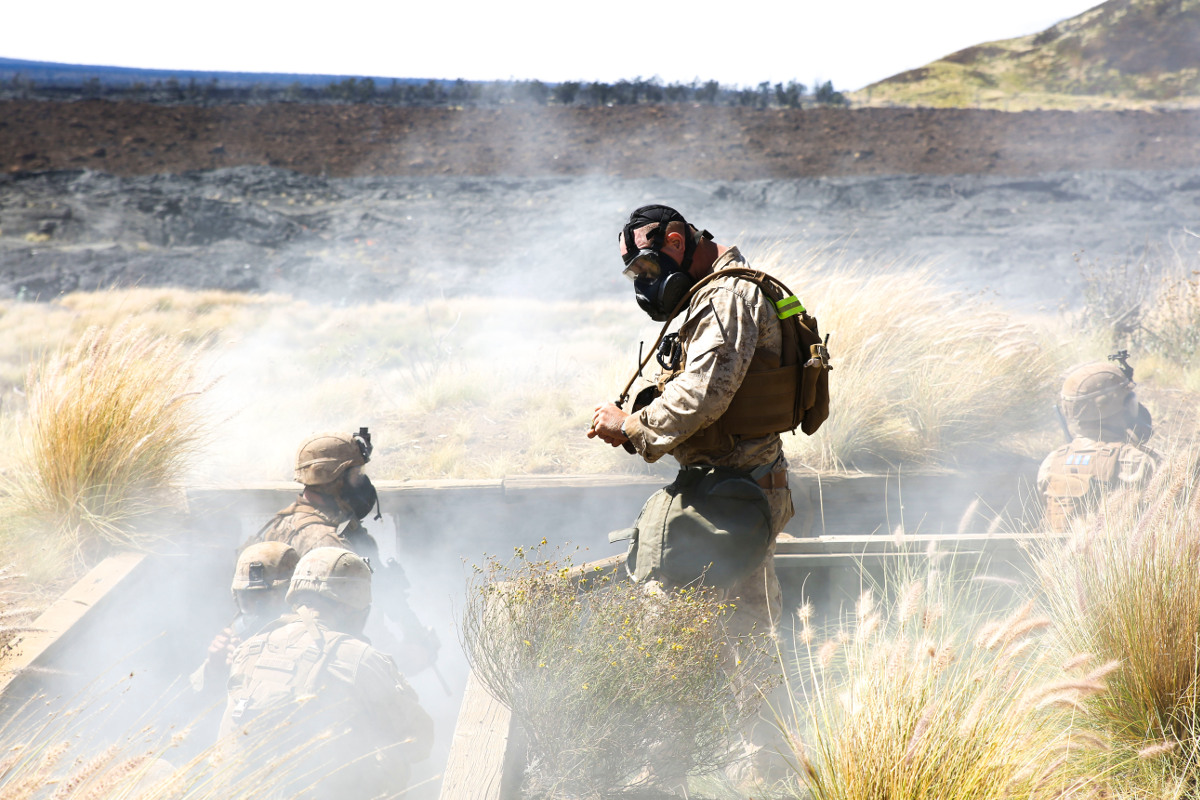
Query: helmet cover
{"points": [[334, 573], [323, 458], [263, 566], [1096, 393]]}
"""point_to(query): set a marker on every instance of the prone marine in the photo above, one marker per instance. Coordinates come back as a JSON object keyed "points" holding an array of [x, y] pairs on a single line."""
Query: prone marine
{"points": [[1107, 453], [310, 690]]}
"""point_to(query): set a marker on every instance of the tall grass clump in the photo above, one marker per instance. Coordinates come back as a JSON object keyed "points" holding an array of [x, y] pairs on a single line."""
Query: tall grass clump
{"points": [[1127, 591], [922, 375], [110, 426], [618, 689], [914, 701]]}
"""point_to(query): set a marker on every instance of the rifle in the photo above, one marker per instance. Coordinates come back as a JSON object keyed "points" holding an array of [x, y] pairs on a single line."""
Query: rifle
{"points": [[391, 586]]}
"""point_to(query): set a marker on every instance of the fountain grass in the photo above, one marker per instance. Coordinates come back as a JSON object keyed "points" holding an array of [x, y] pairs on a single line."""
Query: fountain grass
{"points": [[109, 430], [1125, 589], [923, 700]]}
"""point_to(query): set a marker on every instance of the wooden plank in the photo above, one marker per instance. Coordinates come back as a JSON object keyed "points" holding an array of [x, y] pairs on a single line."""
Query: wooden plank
{"points": [[69, 611], [525, 483], [277, 490], [599, 568], [481, 764], [480, 487], [855, 545]]}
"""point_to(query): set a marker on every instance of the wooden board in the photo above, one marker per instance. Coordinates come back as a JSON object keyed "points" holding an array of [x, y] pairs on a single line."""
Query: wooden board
{"points": [[66, 614], [482, 765]]}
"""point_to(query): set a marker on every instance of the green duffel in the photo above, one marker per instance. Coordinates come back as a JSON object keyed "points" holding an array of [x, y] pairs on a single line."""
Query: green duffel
{"points": [[712, 523]]}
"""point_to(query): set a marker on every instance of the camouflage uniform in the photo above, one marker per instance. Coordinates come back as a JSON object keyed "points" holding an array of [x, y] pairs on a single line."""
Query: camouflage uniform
{"points": [[305, 526], [727, 321], [1073, 479], [297, 681], [1106, 456], [317, 519]]}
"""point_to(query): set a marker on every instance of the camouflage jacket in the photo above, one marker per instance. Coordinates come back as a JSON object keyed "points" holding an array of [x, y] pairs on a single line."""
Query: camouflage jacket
{"points": [[726, 322], [330, 697], [305, 526]]}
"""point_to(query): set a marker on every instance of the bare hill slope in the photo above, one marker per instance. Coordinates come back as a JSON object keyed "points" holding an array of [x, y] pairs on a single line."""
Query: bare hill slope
{"points": [[681, 142], [1120, 53]]}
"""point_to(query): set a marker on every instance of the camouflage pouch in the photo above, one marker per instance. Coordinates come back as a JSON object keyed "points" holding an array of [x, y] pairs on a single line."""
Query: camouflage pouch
{"points": [[711, 524]]}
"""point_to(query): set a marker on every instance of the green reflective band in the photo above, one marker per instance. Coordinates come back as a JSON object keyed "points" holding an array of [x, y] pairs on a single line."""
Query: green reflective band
{"points": [[789, 307]]}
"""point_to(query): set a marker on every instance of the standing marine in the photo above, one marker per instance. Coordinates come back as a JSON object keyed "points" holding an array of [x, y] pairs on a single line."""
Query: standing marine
{"points": [[1107, 453], [746, 364], [310, 696]]}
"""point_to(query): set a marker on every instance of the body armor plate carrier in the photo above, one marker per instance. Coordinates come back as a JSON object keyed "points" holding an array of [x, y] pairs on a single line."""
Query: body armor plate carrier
{"points": [[1078, 478], [778, 393]]}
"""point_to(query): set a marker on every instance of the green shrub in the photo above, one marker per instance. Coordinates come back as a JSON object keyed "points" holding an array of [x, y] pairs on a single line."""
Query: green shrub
{"points": [[617, 687]]}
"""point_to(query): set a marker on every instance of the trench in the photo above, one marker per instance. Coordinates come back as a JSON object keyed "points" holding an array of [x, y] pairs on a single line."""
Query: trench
{"points": [[131, 629]]}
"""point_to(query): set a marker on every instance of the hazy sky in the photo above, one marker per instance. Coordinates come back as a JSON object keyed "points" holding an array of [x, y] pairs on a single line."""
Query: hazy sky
{"points": [[851, 42]]}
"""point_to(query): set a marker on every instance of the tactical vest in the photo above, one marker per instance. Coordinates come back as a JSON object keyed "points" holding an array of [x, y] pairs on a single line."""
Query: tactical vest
{"points": [[291, 696], [288, 525], [1078, 477], [780, 391], [285, 663]]}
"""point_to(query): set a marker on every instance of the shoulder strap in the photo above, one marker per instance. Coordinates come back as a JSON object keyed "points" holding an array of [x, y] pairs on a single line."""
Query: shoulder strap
{"points": [[787, 306], [258, 537]]}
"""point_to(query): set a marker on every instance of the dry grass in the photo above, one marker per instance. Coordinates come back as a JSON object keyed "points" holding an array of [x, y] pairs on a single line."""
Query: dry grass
{"points": [[74, 754], [20, 602], [1126, 591], [107, 435], [916, 702], [474, 387], [921, 374], [618, 689]]}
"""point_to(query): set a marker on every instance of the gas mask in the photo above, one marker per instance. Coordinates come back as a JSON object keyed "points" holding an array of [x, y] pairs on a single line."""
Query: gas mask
{"points": [[359, 493], [659, 282], [1141, 424]]}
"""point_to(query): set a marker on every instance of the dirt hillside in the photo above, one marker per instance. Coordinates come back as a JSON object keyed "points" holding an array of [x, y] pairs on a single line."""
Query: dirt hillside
{"points": [[629, 142]]}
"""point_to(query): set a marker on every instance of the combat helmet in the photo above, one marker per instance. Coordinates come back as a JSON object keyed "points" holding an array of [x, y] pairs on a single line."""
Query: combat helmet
{"points": [[334, 573], [1097, 394], [263, 566], [323, 458]]}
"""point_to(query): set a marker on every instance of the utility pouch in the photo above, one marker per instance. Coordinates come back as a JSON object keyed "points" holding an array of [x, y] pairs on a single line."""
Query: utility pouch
{"points": [[1066, 498], [814, 384], [712, 524]]}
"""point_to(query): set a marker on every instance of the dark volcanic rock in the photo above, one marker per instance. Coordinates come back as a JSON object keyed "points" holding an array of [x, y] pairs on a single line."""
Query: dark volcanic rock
{"points": [[356, 239]]}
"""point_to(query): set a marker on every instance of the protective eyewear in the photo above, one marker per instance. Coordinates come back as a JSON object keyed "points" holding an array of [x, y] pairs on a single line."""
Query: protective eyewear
{"points": [[644, 265]]}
